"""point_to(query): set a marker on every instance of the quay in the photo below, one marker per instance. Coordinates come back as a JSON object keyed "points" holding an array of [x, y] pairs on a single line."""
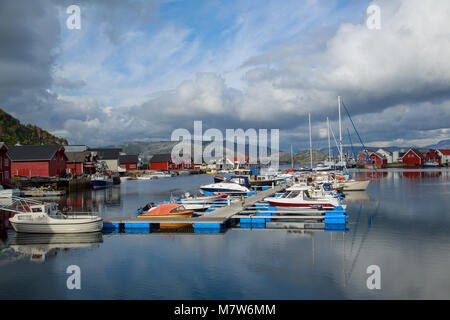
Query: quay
{"points": [[250, 213]]}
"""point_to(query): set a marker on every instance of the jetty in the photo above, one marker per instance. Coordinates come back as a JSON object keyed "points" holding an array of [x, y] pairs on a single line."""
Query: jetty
{"points": [[251, 212]]}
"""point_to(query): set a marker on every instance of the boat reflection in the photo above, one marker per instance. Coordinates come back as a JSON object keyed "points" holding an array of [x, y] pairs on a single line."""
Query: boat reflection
{"points": [[357, 196], [42, 246]]}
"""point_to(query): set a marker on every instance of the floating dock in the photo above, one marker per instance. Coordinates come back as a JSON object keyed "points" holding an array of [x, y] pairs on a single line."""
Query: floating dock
{"points": [[249, 213]]}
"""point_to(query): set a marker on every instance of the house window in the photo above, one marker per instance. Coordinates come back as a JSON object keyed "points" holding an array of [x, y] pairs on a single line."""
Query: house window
{"points": [[6, 162], [6, 174]]}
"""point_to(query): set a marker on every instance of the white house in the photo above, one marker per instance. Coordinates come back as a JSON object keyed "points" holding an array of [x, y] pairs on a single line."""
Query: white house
{"points": [[445, 156], [386, 153]]}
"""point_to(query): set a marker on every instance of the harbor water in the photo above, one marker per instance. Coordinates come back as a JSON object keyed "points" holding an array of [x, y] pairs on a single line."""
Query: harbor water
{"points": [[400, 224]]}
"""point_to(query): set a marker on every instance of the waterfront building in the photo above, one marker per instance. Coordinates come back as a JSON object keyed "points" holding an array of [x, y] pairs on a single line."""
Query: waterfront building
{"points": [[44, 161], [129, 162], [5, 164]]}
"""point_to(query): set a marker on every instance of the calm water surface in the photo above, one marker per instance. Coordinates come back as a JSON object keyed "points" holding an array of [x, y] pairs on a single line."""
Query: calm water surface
{"points": [[401, 224]]}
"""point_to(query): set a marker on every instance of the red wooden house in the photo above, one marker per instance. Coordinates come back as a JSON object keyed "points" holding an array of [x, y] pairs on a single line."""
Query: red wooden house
{"points": [[375, 159], [413, 158], [129, 162], [5, 164], [80, 162], [44, 161], [165, 162]]}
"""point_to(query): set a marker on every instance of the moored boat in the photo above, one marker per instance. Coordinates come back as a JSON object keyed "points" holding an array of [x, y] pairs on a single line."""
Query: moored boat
{"points": [[236, 185], [100, 180], [301, 197], [168, 210], [46, 218]]}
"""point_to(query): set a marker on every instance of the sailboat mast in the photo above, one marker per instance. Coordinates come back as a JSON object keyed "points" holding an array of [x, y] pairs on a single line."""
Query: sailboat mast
{"points": [[340, 130], [310, 140], [329, 142]]}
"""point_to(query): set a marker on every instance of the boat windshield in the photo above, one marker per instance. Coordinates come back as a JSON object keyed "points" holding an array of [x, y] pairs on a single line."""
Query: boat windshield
{"points": [[178, 209], [307, 194], [293, 194]]}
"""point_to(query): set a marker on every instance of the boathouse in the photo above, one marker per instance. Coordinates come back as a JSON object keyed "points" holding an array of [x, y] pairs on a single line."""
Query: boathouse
{"points": [[413, 158], [5, 164], [129, 162], [165, 162], [80, 162], [44, 161]]}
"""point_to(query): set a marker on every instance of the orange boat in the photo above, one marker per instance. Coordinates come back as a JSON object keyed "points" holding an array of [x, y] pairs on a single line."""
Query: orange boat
{"points": [[169, 210]]}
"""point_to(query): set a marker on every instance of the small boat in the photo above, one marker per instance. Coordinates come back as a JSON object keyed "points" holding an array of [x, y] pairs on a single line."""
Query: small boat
{"points": [[322, 167], [8, 193], [168, 210], [236, 185], [430, 164], [100, 180], [211, 172], [46, 218], [146, 177], [200, 203], [301, 197]]}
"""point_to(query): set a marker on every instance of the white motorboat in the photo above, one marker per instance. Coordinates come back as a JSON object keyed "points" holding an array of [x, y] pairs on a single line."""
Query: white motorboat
{"points": [[199, 203], [8, 193], [300, 197], [236, 185], [146, 177], [36, 217]]}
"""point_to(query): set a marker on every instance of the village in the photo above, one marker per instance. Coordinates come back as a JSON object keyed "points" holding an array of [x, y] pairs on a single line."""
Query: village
{"points": [[70, 167]]}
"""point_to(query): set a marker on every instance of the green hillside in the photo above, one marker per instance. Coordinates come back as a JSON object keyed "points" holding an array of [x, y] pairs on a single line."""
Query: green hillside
{"points": [[12, 132]]}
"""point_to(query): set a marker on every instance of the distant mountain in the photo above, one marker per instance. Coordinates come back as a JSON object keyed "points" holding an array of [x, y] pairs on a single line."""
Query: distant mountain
{"points": [[303, 156], [12, 132], [443, 144]]}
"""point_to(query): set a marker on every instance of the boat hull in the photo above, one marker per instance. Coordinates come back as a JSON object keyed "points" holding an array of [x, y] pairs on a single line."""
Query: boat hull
{"points": [[301, 205], [169, 225], [82, 226], [100, 184]]}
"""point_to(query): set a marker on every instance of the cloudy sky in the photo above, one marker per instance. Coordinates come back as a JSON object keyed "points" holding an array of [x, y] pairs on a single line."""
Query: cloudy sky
{"points": [[137, 70]]}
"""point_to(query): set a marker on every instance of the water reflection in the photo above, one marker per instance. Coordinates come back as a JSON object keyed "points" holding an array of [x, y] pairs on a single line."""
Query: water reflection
{"points": [[399, 224], [40, 247]]}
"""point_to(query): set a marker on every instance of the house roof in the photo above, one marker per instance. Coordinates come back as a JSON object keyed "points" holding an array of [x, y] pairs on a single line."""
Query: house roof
{"points": [[77, 156], [3, 144], [108, 154], [129, 158], [385, 150], [33, 153], [417, 152], [163, 157], [445, 152]]}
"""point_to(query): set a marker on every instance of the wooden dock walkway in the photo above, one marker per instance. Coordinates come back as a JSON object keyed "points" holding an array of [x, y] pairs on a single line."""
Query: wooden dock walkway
{"points": [[227, 212]]}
